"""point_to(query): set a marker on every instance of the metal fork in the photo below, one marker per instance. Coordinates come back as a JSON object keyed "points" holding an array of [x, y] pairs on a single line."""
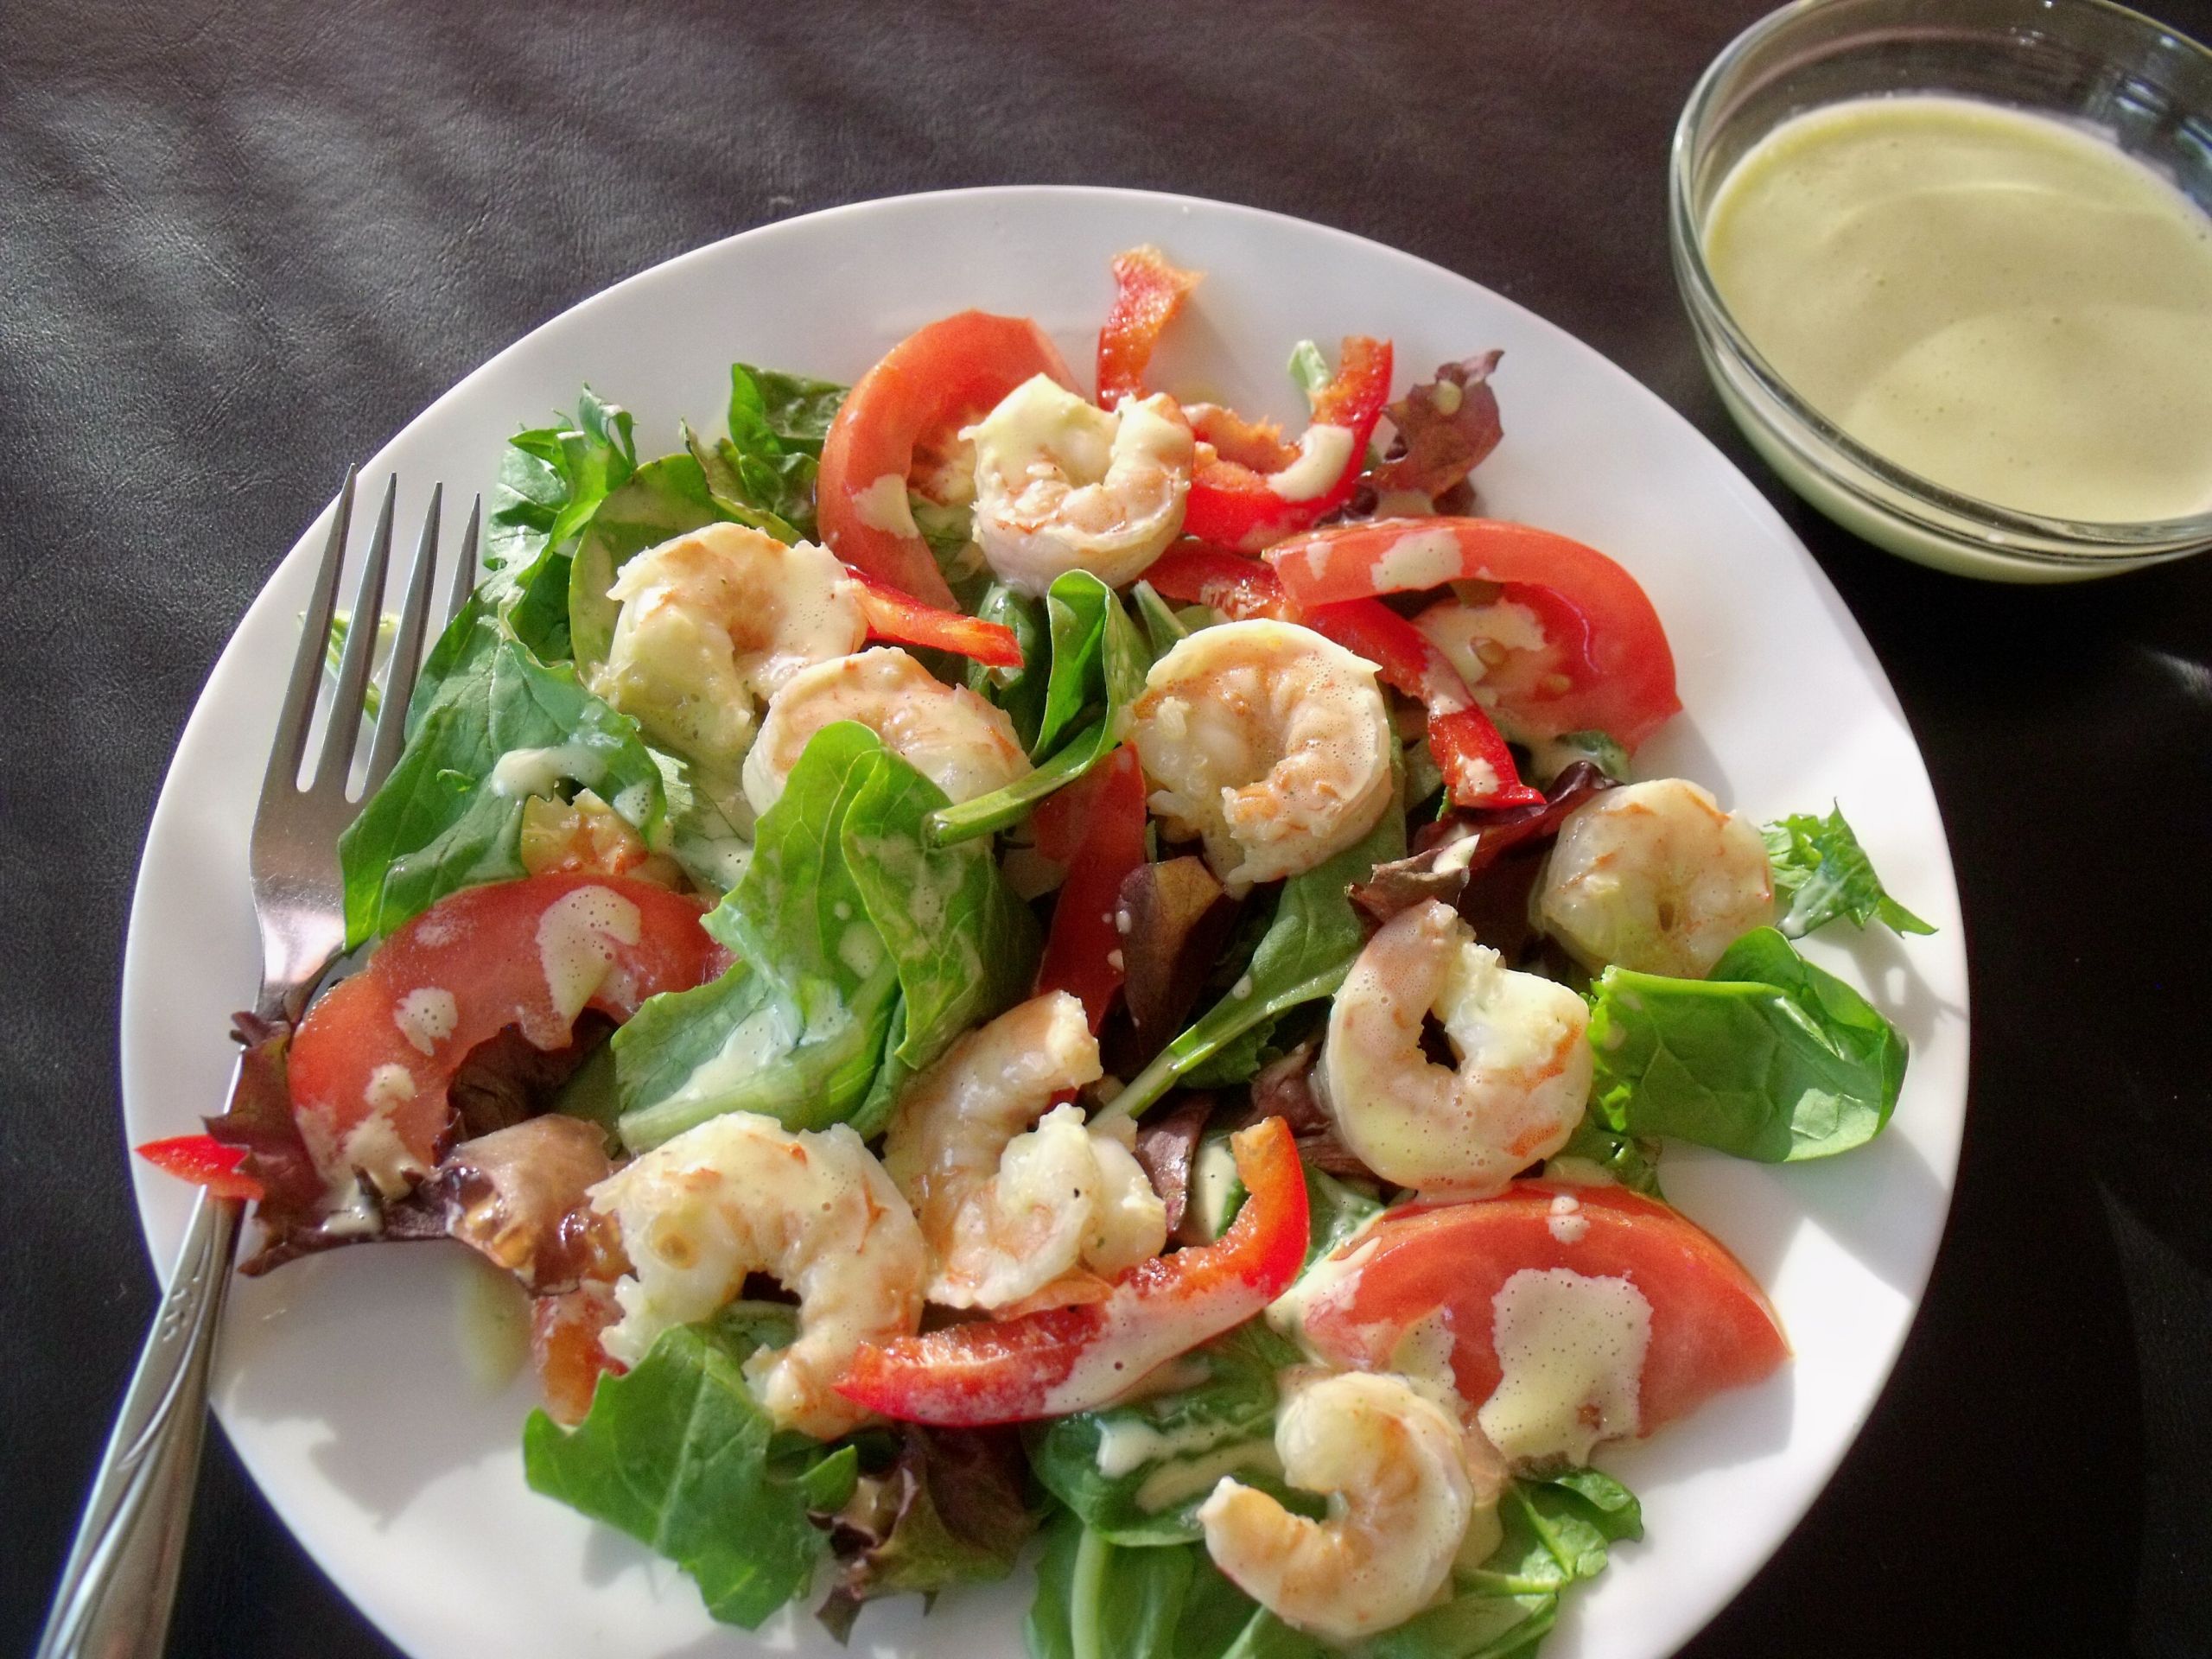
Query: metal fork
{"points": [[116, 1591]]}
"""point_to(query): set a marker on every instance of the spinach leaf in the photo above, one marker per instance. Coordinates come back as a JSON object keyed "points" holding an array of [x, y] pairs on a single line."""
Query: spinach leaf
{"points": [[1633, 1163], [449, 817], [1553, 755], [1304, 953], [676, 1453], [1098, 1600], [1019, 691], [1164, 628], [1136, 1474], [777, 423], [1770, 1058], [661, 499], [552, 480], [1819, 863], [1558, 1531], [1098, 666], [863, 952]]}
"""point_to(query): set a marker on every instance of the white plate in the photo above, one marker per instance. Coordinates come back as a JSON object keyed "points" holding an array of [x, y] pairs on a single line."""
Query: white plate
{"points": [[343, 1380]]}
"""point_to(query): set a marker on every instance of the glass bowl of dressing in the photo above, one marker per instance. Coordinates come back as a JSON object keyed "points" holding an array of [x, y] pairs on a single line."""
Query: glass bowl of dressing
{"points": [[1949, 263]]}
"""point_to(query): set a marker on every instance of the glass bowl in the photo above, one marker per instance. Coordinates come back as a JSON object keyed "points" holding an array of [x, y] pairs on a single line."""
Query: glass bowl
{"points": [[2136, 81]]}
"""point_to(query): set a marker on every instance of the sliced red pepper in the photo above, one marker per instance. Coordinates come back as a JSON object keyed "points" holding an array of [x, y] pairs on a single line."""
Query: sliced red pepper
{"points": [[1233, 506], [1606, 665], [1147, 293], [1068, 1359], [894, 615], [1083, 955], [1466, 746], [204, 1161]]}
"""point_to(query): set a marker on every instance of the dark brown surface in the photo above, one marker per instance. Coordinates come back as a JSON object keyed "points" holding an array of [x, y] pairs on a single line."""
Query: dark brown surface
{"points": [[242, 244]]}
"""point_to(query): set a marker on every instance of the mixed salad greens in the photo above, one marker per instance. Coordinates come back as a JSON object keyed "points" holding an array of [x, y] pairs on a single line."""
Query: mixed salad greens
{"points": [[1246, 826]]}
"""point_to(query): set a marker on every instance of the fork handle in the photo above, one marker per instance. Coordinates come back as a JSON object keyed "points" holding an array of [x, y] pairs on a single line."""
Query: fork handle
{"points": [[115, 1593]]}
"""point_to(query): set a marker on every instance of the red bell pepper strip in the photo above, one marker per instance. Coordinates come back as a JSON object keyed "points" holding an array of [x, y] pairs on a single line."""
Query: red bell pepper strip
{"points": [[1082, 954], [204, 1161], [1147, 293], [1466, 746], [1068, 1359], [896, 616], [1606, 665], [1235, 506]]}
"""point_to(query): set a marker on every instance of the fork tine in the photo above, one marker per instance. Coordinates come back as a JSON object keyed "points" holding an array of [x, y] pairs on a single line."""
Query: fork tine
{"points": [[346, 702], [464, 569], [406, 648], [297, 712]]}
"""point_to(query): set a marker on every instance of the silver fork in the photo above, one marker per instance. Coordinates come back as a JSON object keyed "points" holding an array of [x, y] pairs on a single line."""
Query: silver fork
{"points": [[116, 1591]]}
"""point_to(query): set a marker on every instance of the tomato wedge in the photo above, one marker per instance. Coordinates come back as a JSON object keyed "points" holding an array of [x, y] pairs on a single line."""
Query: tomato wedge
{"points": [[1236, 505], [204, 1161], [1082, 954], [1712, 1326], [936, 380], [371, 1063], [1068, 1359], [1605, 665], [1147, 293]]}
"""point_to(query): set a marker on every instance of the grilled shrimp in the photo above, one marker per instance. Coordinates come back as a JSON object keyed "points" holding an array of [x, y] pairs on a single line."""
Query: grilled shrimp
{"points": [[713, 622], [741, 1194], [1655, 877], [1063, 484], [1394, 1464], [948, 734], [1269, 743], [1523, 1073], [1007, 1214]]}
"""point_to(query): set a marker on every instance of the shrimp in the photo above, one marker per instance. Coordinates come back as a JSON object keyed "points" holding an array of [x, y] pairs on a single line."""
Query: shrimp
{"points": [[1523, 1072], [1394, 1464], [1269, 743], [741, 1194], [1007, 1213], [1654, 877], [1062, 485], [948, 734], [716, 621]]}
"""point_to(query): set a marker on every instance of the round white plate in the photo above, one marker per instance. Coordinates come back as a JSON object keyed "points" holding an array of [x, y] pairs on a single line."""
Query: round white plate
{"points": [[345, 1381]]}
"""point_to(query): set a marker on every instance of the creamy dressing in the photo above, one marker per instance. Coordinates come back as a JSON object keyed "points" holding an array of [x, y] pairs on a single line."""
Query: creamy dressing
{"points": [[1570, 1351], [521, 773], [1128, 1444], [426, 1017], [1323, 454], [1172, 1483], [577, 938], [1417, 561], [2002, 302], [883, 505]]}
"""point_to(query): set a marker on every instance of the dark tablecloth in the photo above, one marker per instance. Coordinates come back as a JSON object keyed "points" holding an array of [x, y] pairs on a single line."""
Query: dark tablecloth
{"points": [[240, 244]]}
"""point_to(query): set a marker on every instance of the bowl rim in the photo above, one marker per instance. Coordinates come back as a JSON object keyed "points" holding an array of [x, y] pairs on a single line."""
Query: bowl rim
{"points": [[2005, 532]]}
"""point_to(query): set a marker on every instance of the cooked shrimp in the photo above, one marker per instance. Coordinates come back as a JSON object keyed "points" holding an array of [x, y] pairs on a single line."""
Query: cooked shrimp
{"points": [[741, 1194], [1394, 1466], [1267, 740], [1063, 484], [1523, 1073], [948, 734], [716, 621], [1007, 1213], [1655, 877]]}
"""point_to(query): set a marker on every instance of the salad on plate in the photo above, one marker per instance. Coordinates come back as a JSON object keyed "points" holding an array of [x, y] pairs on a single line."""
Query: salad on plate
{"points": [[1018, 973]]}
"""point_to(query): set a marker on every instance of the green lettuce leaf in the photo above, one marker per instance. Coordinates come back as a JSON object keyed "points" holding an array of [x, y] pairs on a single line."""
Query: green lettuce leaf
{"points": [[1633, 1163], [863, 950], [1099, 665], [1137, 1473], [676, 1453], [1098, 1600], [442, 821], [1304, 953], [1770, 1058], [777, 423], [1820, 866]]}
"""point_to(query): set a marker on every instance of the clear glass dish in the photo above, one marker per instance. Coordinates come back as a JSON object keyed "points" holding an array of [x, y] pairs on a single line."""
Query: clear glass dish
{"points": [[2138, 82]]}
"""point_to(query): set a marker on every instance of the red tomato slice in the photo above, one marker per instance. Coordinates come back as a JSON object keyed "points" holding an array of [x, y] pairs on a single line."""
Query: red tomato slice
{"points": [[1712, 1326], [936, 380], [533, 954], [1606, 665]]}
